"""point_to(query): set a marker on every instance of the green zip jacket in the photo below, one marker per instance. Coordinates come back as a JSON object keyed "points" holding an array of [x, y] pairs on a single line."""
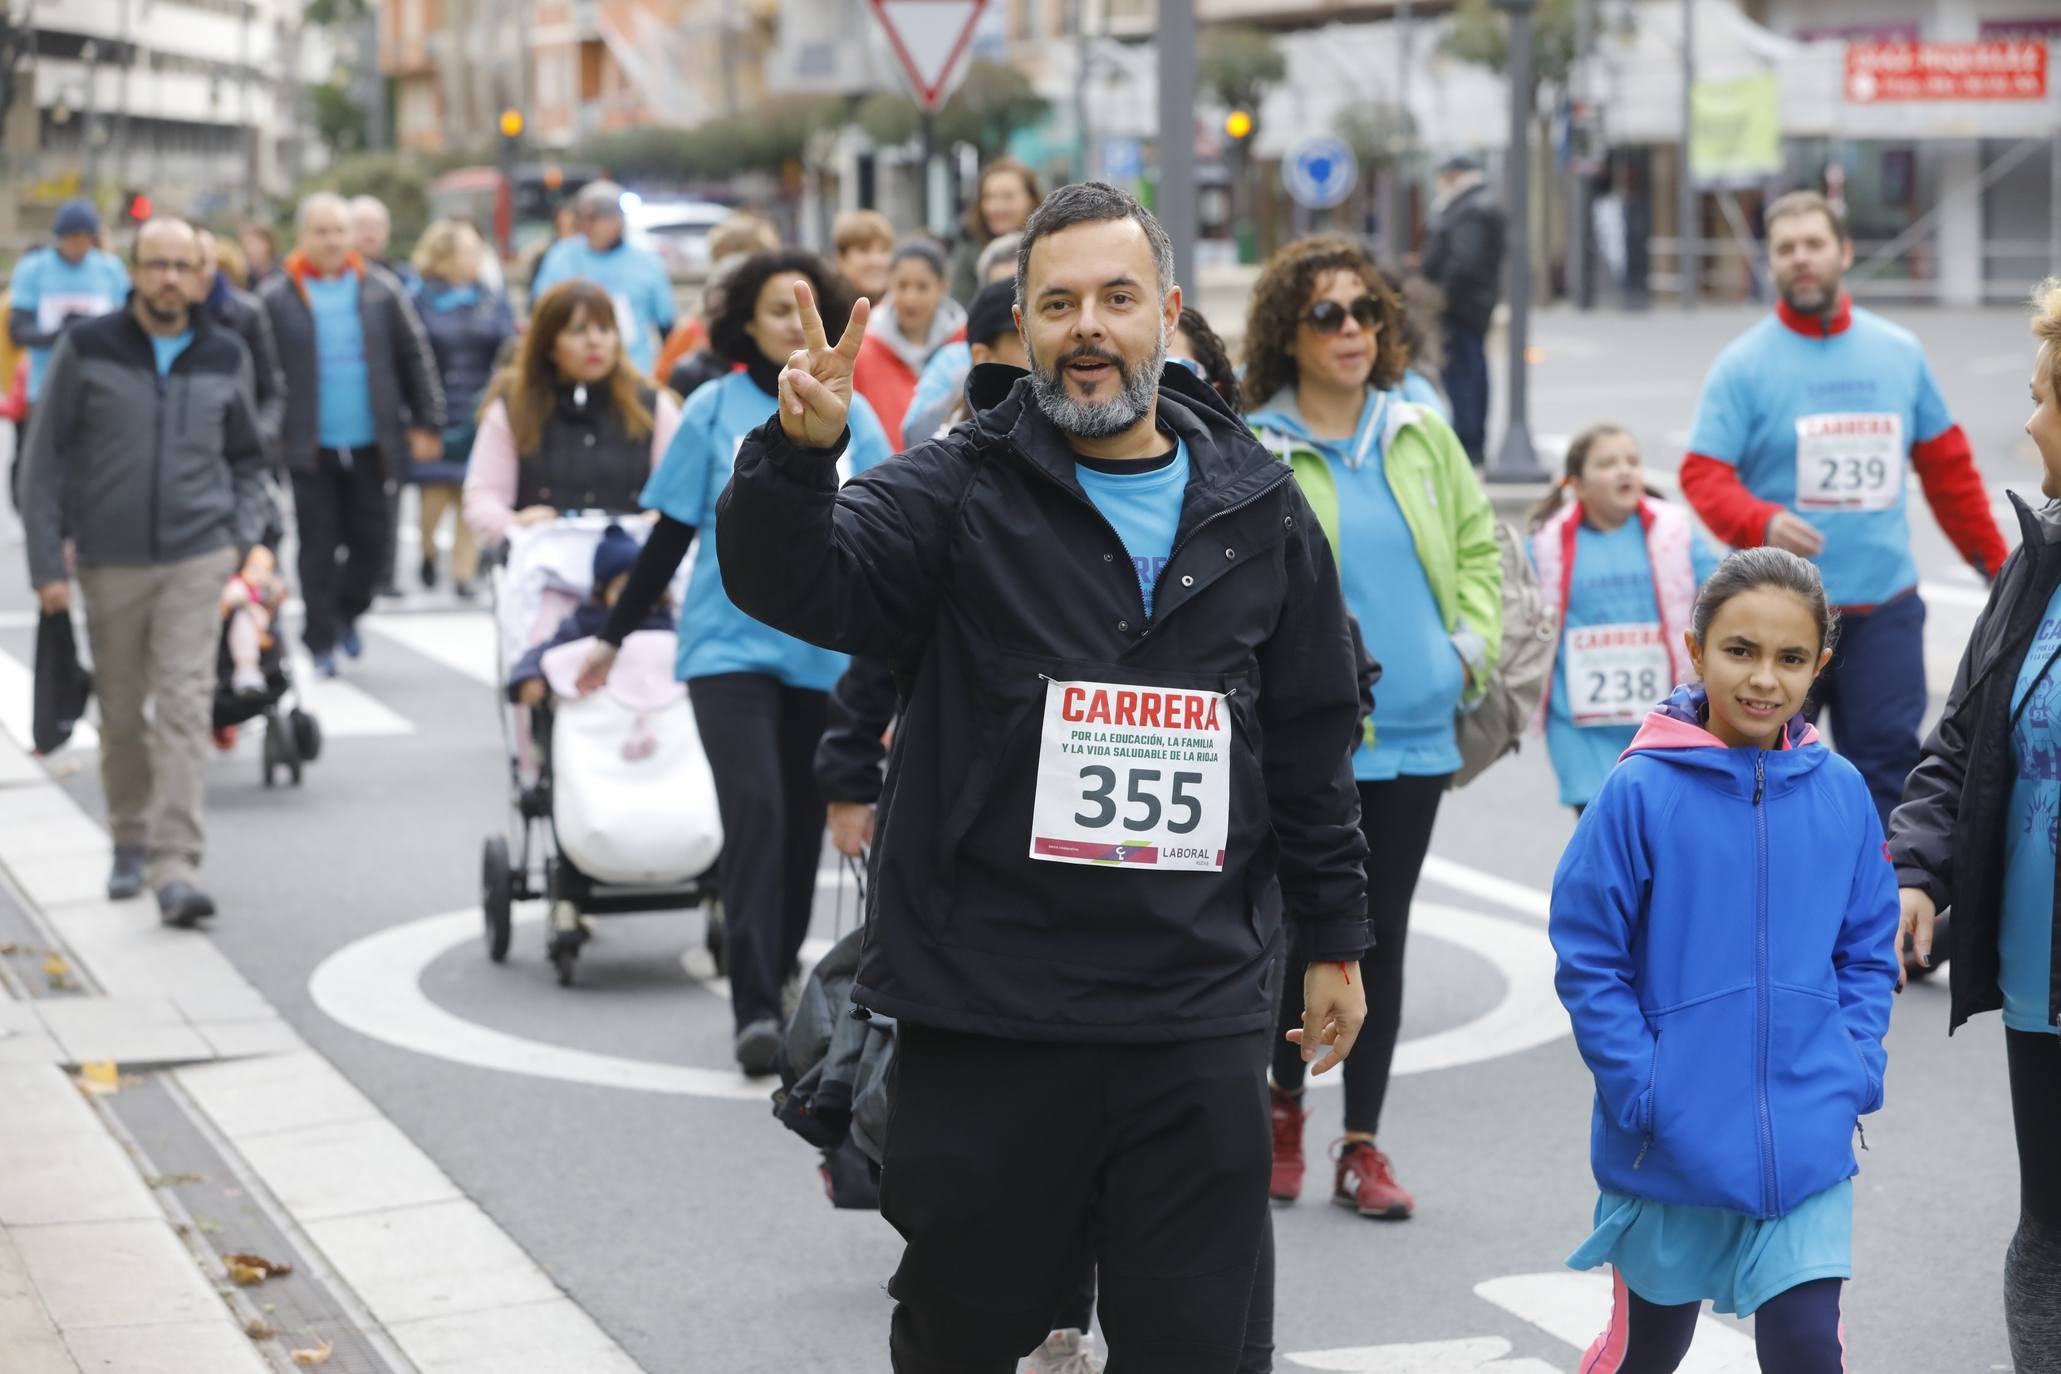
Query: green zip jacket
{"points": [[1449, 516]]}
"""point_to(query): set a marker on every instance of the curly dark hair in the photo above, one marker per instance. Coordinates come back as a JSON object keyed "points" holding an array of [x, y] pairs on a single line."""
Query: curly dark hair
{"points": [[739, 301], [1211, 353], [1283, 297]]}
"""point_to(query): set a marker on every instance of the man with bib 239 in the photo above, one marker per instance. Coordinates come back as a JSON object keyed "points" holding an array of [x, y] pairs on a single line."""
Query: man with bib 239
{"points": [[1129, 704], [1800, 441]]}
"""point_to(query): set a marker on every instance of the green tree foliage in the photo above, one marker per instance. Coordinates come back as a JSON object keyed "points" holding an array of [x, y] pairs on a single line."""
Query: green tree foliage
{"points": [[1482, 35], [1374, 130], [339, 120], [1239, 65], [992, 104], [762, 140]]}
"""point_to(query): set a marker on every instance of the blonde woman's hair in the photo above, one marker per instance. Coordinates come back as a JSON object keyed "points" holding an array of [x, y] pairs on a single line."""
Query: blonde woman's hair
{"points": [[230, 261], [2046, 327], [440, 247]]}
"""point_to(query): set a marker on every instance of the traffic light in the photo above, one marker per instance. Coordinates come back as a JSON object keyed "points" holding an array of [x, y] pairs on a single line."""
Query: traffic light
{"points": [[136, 207], [511, 123], [1238, 125]]}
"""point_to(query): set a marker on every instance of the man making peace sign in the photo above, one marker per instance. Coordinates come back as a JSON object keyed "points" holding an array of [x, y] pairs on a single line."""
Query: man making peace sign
{"points": [[1124, 752]]}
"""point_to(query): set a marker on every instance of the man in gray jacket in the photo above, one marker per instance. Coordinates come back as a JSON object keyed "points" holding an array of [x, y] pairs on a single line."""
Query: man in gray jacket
{"points": [[146, 448], [363, 400]]}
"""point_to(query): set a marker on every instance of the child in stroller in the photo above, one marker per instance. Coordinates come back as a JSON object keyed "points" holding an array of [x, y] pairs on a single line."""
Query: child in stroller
{"points": [[613, 804], [250, 601], [251, 678], [614, 555]]}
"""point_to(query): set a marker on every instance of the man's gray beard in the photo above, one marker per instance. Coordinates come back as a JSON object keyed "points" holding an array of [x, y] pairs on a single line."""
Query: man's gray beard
{"points": [[1100, 419]]}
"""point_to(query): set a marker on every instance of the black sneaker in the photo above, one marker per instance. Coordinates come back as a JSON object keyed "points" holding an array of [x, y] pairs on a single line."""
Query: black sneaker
{"points": [[429, 574], [125, 879], [181, 904], [464, 590], [758, 1044]]}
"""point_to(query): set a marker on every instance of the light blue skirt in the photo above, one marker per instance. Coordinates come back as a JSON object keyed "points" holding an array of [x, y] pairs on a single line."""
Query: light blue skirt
{"points": [[1672, 1254]]}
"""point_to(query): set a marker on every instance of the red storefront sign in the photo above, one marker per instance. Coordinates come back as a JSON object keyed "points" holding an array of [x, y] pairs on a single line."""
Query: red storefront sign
{"points": [[1991, 69]]}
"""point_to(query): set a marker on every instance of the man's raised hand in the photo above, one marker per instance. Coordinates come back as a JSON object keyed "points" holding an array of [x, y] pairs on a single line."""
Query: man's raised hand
{"points": [[816, 384]]}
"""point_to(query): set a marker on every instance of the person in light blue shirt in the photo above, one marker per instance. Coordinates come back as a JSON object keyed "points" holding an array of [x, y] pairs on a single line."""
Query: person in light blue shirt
{"points": [[71, 279], [635, 279], [761, 697], [167, 348], [1141, 500], [1622, 567], [1415, 542]]}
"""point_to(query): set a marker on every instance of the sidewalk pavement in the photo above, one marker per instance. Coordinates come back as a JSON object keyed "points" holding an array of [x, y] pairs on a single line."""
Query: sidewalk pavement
{"points": [[98, 1271]]}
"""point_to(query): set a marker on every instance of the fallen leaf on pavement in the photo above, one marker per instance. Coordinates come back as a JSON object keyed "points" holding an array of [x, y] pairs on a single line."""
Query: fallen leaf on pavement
{"points": [[8, 947], [319, 1355], [258, 1329], [207, 1228], [249, 1270], [57, 969], [64, 768], [171, 1180], [99, 1077]]}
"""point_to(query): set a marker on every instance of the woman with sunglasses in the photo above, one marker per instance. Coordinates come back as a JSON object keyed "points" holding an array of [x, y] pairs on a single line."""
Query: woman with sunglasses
{"points": [[1415, 542]]}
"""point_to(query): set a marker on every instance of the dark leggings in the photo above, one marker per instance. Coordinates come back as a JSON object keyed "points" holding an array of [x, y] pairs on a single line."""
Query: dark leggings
{"points": [[760, 737], [1795, 1332], [2032, 1266], [1396, 817]]}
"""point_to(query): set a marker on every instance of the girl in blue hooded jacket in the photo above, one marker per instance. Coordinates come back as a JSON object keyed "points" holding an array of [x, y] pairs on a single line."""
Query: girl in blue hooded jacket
{"points": [[1725, 919]]}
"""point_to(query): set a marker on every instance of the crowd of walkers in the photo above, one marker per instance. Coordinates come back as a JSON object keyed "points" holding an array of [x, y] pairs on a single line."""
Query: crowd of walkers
{"points": [[1137, 676]]}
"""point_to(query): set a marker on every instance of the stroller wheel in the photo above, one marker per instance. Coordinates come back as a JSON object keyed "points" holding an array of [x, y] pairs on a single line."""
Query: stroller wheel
{"points": [[307, 734], [717, 939], [497, 897], [269, 761]]}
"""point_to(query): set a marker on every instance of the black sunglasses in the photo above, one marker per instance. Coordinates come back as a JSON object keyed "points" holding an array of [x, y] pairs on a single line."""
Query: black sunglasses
{"points": [[1328, 317]]}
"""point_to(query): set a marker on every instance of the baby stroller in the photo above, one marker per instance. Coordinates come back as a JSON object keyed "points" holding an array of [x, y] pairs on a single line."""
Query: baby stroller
{"points": [[293, 737], [612, 804]]}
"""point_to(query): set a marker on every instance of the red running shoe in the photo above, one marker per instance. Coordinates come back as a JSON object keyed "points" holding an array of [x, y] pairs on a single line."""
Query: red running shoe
{"points": [[1288, 1167], [1366, 1184], [225, 738]]}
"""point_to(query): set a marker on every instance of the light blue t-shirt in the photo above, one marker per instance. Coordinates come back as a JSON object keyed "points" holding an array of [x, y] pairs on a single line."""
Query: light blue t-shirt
{"points": [[167, 350], [937, 390], [1612, 585], [343, 387], [633, 278], [1773, 389], [1145, 508], [51, 289], [1386, 588], [716, 637], [2025, 942]]}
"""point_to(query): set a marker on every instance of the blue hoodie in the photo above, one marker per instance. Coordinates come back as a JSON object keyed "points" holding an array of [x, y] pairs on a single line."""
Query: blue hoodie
{"points": [[1726, 926]]}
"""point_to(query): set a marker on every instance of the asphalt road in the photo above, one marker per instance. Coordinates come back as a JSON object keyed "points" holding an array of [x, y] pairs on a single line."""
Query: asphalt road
{"points": [[693, 1228]]}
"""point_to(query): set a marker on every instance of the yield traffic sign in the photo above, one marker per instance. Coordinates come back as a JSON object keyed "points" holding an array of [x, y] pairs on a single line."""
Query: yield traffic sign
{"points": [[929, 38]]}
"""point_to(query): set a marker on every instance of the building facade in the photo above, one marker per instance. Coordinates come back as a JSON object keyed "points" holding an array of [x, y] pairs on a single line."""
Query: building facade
{"points": [[201, 102]]}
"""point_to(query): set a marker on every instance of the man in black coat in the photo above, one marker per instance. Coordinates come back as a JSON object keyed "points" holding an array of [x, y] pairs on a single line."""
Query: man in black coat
{"points": [[363, 400], [1124, 756], [1464, 256]]}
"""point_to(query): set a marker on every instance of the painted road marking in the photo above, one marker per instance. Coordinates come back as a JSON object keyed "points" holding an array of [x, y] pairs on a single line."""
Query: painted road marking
{"points": [[462, 641], [374, 986], [1575, 1308], [1570, 1307], [1470, 1355]]}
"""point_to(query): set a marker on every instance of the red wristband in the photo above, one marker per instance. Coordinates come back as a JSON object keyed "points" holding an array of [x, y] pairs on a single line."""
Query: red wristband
{"points": [[1346, 969]]}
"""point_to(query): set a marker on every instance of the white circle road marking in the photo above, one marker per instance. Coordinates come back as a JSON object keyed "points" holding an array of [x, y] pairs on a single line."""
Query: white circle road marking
{"points": [[374, 986]]}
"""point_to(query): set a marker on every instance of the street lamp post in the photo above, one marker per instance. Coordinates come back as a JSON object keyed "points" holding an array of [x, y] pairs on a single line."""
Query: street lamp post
{"points": [[1175, 202], [1516, 460]]}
